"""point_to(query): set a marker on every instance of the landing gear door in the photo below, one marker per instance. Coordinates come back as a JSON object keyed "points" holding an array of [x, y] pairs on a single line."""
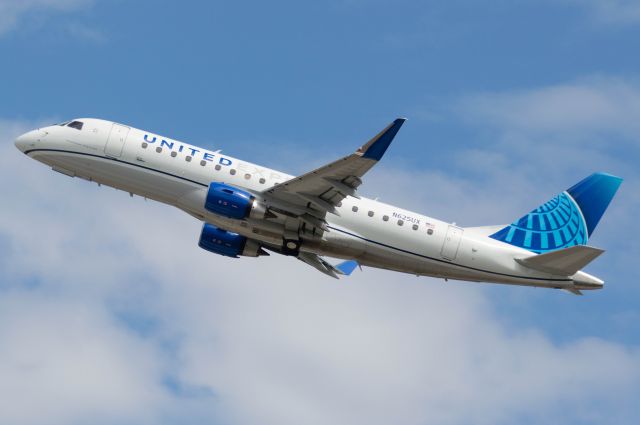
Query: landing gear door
{"points": [[116, 141], [451, 243]]}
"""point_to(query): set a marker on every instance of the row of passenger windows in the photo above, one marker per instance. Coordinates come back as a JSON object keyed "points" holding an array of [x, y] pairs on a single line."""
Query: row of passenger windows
{"points": [[262, 180], [386, 218], [218, 167]]}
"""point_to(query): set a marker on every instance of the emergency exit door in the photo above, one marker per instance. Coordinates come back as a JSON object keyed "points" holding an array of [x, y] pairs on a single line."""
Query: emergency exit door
{"points": [[116, 141], [451, 243]]}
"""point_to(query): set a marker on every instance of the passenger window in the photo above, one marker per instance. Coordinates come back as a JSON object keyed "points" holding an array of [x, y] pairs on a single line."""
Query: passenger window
{"points": [[262, 180], [75, 124], [187, 158], [429, 231], [354, 209], [414, 227], [385, 218], [232, 172], [144, 145], [247, 176], [400, 222], [370, 213], [218, 167], [339, 204], [158, 149], [203, 162], [174, 154]]}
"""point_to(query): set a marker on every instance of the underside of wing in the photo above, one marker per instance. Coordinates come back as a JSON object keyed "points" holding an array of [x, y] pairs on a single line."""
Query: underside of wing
{"points": [[319, 263]]}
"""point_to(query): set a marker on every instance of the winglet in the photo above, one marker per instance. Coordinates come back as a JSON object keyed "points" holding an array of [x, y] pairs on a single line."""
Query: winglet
{"points": [[347, 267], [376, 147]]}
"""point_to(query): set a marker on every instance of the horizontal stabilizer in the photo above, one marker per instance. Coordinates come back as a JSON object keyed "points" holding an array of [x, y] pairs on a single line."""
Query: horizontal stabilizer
{"points": [[564, 262]]}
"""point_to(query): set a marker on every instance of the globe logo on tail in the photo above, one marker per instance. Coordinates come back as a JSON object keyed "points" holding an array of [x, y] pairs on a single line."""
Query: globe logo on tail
{"points": [[554, 225]]}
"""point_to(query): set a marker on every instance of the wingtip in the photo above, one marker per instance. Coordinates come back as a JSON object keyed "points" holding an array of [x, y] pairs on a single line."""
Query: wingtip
{"points": [[347, 267], [376, 147]]}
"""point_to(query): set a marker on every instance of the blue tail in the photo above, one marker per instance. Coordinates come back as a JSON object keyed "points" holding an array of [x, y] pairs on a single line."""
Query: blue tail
{"points": [[566, 220]]}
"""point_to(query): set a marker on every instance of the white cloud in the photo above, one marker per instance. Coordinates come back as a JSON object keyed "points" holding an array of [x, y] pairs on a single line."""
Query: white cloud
{"points": [[531, 143], [12, 12], [561, 132], [86, 33], [585, 106], [616, 12], [64, 362], [104, 298]]}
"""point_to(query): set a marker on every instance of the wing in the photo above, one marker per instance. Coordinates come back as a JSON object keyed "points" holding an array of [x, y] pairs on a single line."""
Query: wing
{"points": [[345, 268], [317, 192]]}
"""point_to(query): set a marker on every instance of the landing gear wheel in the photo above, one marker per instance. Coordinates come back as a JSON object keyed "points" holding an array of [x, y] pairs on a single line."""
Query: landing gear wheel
{"points": [[291, 247]]}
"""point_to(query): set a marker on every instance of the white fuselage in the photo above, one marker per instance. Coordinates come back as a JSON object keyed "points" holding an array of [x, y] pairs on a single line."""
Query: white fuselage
{"points": [[373, 233]]}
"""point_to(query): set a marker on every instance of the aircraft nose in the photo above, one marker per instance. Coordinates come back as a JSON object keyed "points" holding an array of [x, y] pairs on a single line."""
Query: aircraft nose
{"points": [[28, 139]]}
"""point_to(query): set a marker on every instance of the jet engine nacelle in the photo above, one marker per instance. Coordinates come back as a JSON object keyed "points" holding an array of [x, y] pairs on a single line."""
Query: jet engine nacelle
{"points": [[231, 202], [229, 244]]}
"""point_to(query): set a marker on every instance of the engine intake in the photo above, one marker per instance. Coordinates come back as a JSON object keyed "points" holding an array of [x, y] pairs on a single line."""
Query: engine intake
{"points": [[231, 202], [229, 244]]}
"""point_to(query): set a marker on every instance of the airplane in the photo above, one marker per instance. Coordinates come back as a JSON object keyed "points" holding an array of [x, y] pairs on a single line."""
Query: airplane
{"points": [[249, 210]]}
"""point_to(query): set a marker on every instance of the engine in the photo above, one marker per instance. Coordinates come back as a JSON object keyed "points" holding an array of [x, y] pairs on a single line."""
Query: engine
{"points": [[228, 244], [231, 202]]}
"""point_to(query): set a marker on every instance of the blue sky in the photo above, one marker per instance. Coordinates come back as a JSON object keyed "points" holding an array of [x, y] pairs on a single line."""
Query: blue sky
{"points": [[111, 313]]}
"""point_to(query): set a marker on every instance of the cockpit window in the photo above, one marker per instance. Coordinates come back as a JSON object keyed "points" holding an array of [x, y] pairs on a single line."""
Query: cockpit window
{"points": [[75, 124], [62, 124]]}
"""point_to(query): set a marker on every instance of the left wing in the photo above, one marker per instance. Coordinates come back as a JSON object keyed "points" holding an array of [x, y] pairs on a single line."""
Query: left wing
{"points": [[345, 268], [317, 192]]}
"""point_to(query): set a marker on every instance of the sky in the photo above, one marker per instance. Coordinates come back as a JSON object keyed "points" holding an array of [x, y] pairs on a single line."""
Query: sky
{"points": [[111, 314]]}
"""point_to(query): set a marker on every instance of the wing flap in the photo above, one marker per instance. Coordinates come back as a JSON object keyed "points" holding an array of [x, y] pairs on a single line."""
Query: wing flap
{"points": [[319, 263], [564, 262]]}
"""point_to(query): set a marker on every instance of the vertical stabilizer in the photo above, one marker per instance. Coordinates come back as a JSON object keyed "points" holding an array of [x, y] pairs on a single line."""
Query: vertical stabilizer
{"points": [[566, 220], [593, 195]]}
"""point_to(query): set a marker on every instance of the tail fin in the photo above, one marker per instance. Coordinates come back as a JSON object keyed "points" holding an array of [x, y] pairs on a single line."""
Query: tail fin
{"points": [[566, 220]]}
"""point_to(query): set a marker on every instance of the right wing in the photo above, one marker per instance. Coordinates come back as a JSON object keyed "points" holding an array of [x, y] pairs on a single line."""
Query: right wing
{"points": [[317, 192]]}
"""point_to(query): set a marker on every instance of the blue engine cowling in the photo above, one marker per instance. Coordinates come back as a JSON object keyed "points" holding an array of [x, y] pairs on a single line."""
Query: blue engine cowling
{"points": [[229, 244], [228, 201], [220, 241]]}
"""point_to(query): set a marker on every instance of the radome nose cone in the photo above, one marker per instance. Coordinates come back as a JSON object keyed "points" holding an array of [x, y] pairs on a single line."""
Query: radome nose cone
{"points": [[27, 139], [21, 142]]}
